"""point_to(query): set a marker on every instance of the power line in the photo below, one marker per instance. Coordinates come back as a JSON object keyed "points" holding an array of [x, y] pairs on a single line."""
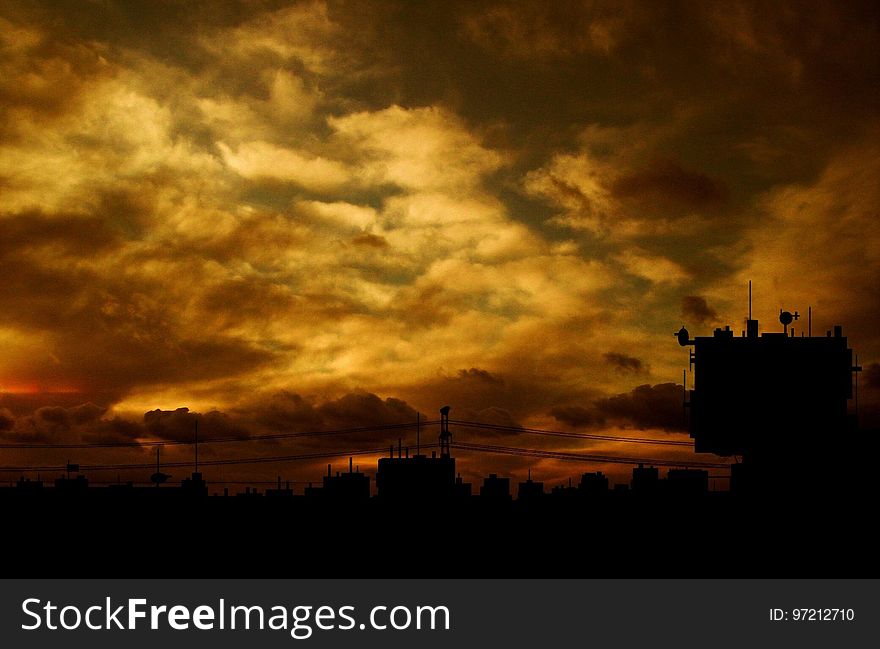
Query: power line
{"points": [[560, 433], [487, 448], [226, 462], [216, 440], [582, 457], [345, 431]]}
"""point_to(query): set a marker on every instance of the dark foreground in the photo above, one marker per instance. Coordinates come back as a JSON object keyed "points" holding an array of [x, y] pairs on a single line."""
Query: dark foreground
{"points": [[713, 535]]}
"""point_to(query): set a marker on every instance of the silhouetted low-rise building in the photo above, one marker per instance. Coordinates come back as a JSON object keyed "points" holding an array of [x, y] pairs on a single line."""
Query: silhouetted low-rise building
{"points": [[645, 479], [593, 484], [415, 478], [78, 484], [530, 490], [352, 486], [195, 485], [279, 491], [461, 489], [687, 482], [27, 486], [495, 489]]}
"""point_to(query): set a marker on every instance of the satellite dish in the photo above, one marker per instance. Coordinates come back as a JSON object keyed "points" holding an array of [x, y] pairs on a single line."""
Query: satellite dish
{"points": [[786, 318], [684, 337], [159, 477]]}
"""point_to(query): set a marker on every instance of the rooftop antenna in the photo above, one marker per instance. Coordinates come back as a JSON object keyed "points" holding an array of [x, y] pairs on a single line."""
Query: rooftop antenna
{"points": [[684, 397], [158, 477], [445, 435], [751, 325], [786, 318], [809, 321], [857, 369], [197, 445], [418, 432]]}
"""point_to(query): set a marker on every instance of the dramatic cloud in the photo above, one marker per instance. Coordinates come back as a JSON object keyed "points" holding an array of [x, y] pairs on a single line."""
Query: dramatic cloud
{"points": [[694, 308], [666, 182], [558, 30], [479, 375], [624, 363], [647, 406], [332, 213], [576, 416]]}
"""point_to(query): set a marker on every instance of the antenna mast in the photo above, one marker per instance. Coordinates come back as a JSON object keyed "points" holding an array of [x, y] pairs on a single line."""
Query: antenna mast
{"points": [[684, 397], [197, 444], [445, 435]]}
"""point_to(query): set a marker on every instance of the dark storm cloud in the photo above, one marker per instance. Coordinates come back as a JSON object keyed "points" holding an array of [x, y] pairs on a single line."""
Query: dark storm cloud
{"points": [[623, 362], [371, 240], [647, 406], [51, 423], [91, 317], [281, 411], [287, 411], [180, 424], [695, 309], [61, 234], [362, 407], [476, 374], [666, 181], [577, 416], [550, 30]]}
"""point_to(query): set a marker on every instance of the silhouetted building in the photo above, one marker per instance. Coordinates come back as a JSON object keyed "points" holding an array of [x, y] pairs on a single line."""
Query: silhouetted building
{"points": [[26, 485], [645, 479], [420, 477], [415, 478], [122, 488], [279, 492], [194, 485], [495, 489], [687, 482], [72, 485], [461, 489], [353, 486], [777, 400], [530, 490], [593, 484], [249, 493]]}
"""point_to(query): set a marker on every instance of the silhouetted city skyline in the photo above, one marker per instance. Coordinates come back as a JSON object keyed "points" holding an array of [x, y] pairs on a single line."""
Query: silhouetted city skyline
{"points": [[298, 229]]}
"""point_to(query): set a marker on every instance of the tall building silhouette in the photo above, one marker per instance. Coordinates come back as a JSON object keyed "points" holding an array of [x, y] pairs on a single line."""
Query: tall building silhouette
{"points": [[776, 401]]}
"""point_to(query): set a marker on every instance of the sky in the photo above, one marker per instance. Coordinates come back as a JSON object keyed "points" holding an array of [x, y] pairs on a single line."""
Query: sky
{"points": [[320, 214]]}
